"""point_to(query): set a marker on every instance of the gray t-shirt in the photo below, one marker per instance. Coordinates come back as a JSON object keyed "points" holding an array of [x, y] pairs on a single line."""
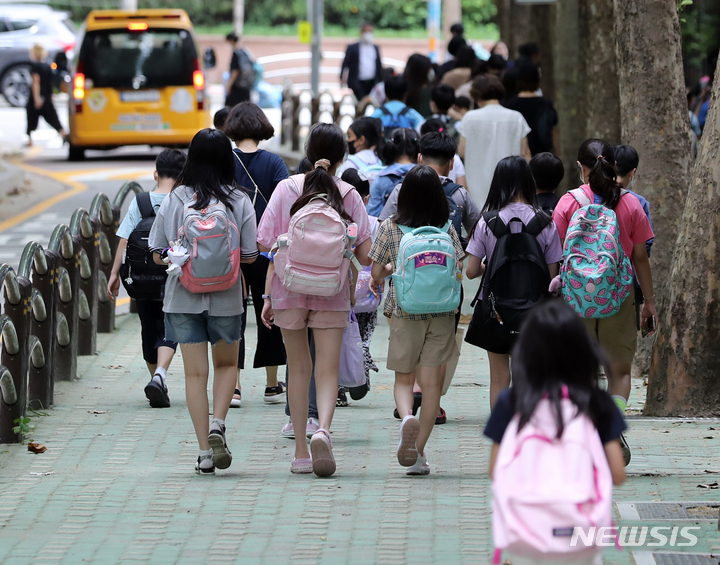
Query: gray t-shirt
{"points": [[470, 212], [178, 299]]}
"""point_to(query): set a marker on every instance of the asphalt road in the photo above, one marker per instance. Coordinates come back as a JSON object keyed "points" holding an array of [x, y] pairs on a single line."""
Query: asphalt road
{"points": [[101, 171]]}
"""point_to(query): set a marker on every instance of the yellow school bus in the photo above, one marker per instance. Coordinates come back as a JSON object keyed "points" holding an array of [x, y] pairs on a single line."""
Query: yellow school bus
{"points": [[138, 79]]}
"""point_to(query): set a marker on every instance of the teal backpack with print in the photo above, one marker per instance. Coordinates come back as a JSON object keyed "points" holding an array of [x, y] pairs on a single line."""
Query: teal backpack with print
{"points": [[596, 275], [427, 278]]}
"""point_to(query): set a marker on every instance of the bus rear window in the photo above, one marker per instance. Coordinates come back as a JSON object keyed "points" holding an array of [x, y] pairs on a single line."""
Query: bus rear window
{"points": [[147, 59]]}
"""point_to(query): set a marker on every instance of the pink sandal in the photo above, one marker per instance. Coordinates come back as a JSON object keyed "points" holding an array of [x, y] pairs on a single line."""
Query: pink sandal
{"points": [[301, 466], [323, 462]]}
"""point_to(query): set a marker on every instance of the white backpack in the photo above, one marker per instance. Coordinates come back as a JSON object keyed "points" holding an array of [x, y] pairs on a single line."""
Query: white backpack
{"points": [[314, 256]]}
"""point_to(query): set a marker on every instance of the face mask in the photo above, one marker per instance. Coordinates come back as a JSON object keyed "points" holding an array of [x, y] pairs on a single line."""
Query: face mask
{"points": [[351, 147], [431, 75], [582, 178], [367, 37]]}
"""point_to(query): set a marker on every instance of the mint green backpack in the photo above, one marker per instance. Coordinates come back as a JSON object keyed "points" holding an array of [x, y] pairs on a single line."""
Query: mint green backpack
{"points": [[427, 278]]}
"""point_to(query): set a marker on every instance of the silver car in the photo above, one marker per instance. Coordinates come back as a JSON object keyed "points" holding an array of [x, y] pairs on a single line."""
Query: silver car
{"points": [[21, 27]]}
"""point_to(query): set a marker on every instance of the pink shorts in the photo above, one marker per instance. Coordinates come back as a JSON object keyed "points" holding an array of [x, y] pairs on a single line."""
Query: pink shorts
{"points": [[299, 318]]}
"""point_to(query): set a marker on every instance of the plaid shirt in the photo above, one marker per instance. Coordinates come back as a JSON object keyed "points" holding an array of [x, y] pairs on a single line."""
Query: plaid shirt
{"points": [[385, 249]]}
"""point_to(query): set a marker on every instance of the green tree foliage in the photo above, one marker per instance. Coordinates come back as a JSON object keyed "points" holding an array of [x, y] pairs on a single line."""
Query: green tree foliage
{"points": [[387, 14]]}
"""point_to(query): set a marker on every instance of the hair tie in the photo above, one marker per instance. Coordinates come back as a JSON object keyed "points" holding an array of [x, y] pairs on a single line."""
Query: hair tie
{"points": [[322, 164], [441, 130], [601, 156]]}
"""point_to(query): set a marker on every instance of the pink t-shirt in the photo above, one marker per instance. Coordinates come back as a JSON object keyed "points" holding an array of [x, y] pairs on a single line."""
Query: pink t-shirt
{"points": [[276, 221], [634, 225]]}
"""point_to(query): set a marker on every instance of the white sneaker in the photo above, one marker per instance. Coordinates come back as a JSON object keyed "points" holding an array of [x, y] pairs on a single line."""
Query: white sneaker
{"points": [[421, 467], [407, 451]]}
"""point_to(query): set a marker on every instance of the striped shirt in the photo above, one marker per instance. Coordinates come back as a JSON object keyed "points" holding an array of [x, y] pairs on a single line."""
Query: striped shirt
{"points": [[491, 133]]}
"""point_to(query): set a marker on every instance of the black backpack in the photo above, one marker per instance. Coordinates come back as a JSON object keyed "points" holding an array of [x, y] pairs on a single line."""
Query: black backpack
{"points": [[451, 188], [140, 275], [246, 72], [515, 280]]}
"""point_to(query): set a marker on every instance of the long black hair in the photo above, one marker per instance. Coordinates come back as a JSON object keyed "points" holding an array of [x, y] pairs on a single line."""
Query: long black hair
{"points": [[598, 156], [209, 169], [512, 177], [555, 349], [422, 201], [416, 75], [404, 141], [325, 141]]}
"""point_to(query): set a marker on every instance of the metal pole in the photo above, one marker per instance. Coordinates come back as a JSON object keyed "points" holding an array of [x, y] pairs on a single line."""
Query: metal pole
{"points": [[239, 16], [452, 14], [316, 18], [433, 29], [130, 5]]}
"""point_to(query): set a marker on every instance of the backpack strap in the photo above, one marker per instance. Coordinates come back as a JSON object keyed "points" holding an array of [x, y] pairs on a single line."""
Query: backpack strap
{"points": [[535, 226], [252, 180], [580, 197], [404, 111], [145, 205], [451, 188], [495, 224], [385, 111]]}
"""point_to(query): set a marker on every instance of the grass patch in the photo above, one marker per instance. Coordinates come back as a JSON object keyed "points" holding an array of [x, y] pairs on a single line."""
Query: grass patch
{"points": [[488, 32]]}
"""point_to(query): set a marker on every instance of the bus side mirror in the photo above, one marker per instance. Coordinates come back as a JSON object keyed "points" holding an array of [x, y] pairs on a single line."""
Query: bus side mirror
{"points": [[210, 58]]}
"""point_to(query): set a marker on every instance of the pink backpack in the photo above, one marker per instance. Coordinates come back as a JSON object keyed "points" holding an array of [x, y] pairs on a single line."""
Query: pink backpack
{"points": [[544, 487], [213, 243], [314, 256]]}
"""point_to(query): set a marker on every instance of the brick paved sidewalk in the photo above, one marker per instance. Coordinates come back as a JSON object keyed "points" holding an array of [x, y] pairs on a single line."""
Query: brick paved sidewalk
{"points": [[117, 484]]}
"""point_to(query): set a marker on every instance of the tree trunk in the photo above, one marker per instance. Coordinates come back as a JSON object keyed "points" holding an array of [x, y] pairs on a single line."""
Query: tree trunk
{"points": [[655, 122], [567, 93], [686, 357], [543, 33], [514, 23], [600, 95]]}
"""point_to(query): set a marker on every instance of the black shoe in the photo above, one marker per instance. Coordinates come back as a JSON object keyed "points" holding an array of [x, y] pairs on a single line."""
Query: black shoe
{"points": [[157, 394], [359, 392], [342, 400], [204, 470], [417, 402], [275, 394], [442, 418], [221, 457]]}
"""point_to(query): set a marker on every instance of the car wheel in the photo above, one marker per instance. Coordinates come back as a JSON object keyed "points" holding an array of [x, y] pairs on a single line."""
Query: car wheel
{"points": [[76, 153], [15, 85]]}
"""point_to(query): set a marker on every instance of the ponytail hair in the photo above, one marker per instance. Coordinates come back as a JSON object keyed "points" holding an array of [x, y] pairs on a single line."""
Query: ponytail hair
{"points": [[403, 141], [598, 156], [326, 147]]}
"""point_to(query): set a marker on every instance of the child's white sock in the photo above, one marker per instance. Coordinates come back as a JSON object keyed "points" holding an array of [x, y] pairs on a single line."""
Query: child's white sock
{"points": [[206, 461], [159, 376], [217, 423]]}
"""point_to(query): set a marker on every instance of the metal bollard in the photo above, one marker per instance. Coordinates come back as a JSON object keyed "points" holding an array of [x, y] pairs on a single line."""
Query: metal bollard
{"points": [[15, 330], [85, 228], [66, 248], [107, 218], [39, 265]]}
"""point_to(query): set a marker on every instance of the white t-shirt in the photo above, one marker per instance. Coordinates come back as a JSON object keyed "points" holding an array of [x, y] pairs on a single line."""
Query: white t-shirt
{"points": [[458, 169], [491, 133], [368, 61]]}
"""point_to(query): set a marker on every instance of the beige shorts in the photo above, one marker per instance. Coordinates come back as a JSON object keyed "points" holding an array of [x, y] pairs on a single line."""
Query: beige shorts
{"points": [[300, 318], [618, 334], [425, 343]]}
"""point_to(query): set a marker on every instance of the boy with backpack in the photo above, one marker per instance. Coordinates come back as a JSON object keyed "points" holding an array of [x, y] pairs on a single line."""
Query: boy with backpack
{"points": [[548, 172], [421, 250], [143, 279], [395, 113], [437, 150], [243, 73]]}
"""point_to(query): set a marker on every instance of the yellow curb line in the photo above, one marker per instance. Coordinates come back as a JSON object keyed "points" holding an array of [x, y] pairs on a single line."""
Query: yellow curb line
{"points": [[64, 177]]}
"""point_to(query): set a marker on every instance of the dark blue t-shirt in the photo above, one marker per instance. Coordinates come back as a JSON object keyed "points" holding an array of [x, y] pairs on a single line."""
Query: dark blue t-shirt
{"points": [[611, 425], [266, 169]]}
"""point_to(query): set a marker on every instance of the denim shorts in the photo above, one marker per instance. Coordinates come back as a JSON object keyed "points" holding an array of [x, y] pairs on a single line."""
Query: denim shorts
{"points": [[201, 328]]}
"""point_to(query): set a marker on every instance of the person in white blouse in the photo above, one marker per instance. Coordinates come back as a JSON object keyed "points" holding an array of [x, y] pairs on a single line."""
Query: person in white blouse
{"points": [[488, 135]]}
